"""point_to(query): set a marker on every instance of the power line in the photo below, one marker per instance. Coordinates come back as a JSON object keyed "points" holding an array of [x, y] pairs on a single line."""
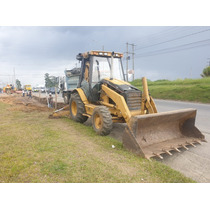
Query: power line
{"points": [[187, 48], [173, 39], [152, 35], [155, 37], [174, 49], [160, 36]]}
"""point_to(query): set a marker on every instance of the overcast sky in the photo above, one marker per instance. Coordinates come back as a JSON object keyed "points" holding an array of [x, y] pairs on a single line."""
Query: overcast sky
{"points": [[160, 52]]}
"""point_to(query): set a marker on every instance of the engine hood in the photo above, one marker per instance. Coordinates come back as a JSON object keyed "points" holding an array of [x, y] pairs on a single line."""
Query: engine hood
{"points": [[119, 85]]}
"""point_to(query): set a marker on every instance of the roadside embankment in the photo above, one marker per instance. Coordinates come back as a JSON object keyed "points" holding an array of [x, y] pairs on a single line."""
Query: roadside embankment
{"points": [[196, 90], [44, 101]]}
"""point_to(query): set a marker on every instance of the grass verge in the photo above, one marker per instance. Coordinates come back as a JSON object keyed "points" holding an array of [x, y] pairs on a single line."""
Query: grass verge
{"points": [[35, 149], [197, 90]]}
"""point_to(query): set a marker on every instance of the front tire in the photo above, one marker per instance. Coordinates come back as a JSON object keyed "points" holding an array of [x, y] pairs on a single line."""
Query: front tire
{"points": [[77, 108], [102, 120]]}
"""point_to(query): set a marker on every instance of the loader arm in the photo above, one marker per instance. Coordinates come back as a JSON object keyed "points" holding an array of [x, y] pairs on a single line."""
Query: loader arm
{"points": [[119, 101], [148, 103]]}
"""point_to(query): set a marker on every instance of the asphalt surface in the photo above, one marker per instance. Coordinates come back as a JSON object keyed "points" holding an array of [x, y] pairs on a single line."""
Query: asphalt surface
{"points": [[203, 111], [194, 163]]}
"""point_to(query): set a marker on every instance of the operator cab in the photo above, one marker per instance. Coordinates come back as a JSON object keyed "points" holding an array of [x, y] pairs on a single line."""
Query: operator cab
{"points": [[96, 66]]}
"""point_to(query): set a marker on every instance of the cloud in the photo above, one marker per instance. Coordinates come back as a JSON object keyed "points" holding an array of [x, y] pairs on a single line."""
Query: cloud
{"points": [[37, 50]]}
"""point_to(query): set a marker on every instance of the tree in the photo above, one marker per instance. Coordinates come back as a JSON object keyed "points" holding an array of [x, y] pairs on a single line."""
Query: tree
{"points": [[47, 80], [18, 84], [50, 81], [206, 72]]}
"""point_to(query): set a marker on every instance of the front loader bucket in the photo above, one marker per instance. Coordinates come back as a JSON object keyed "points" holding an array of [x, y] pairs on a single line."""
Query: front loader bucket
{"points": [[153, 134]]}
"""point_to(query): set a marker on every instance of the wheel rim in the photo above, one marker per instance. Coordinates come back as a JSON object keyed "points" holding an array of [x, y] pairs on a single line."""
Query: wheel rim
{"points": [[97, 121], [74, 108]]}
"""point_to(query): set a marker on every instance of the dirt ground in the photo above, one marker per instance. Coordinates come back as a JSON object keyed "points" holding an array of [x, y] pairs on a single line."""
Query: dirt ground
{"points": [[23, 103], [27, 105]]}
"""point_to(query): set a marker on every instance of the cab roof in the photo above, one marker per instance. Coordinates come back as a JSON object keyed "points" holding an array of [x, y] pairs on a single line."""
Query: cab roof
{"points": [[99, 53]]}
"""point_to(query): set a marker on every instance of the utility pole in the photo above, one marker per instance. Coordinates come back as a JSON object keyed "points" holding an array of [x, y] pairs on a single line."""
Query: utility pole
{"points": [[56, 98], [209, 61], [127, 61], [127, 58], [133, 59], [14, 77]]}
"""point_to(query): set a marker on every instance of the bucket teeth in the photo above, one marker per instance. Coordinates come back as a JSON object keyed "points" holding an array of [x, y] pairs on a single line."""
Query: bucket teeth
{"points": [[181, 145], [158, 155], [190, 144], [204, 140], [166, 151], [198, 142], [176, 149]]}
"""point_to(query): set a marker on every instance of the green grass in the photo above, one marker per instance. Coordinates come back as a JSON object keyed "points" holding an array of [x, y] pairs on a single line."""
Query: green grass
{"points": [[34, 148], [197, 90]]}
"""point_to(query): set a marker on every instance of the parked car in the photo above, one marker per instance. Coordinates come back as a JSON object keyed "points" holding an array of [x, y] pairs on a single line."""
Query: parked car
{"points": [[35, 89], [52, 90], [42, 89]]}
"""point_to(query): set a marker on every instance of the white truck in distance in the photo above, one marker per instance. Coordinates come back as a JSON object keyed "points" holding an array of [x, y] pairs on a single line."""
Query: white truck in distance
{"points": [[69, 82]]}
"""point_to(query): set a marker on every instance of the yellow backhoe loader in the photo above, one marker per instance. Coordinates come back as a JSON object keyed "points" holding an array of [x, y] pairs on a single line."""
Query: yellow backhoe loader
{"points": [[105, 96], [9, 89]]}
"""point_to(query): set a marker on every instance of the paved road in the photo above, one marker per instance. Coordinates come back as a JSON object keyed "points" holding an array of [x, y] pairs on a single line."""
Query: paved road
{"points": [[203, 111], [195, 162]]}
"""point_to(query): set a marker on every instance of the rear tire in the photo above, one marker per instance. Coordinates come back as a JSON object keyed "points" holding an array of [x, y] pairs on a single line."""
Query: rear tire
{"points": [[77, 108], [102, 120]]}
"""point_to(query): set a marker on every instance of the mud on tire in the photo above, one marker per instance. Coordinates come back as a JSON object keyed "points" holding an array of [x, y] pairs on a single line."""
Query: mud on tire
{"points": [[102, 120], [77, 108]]}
